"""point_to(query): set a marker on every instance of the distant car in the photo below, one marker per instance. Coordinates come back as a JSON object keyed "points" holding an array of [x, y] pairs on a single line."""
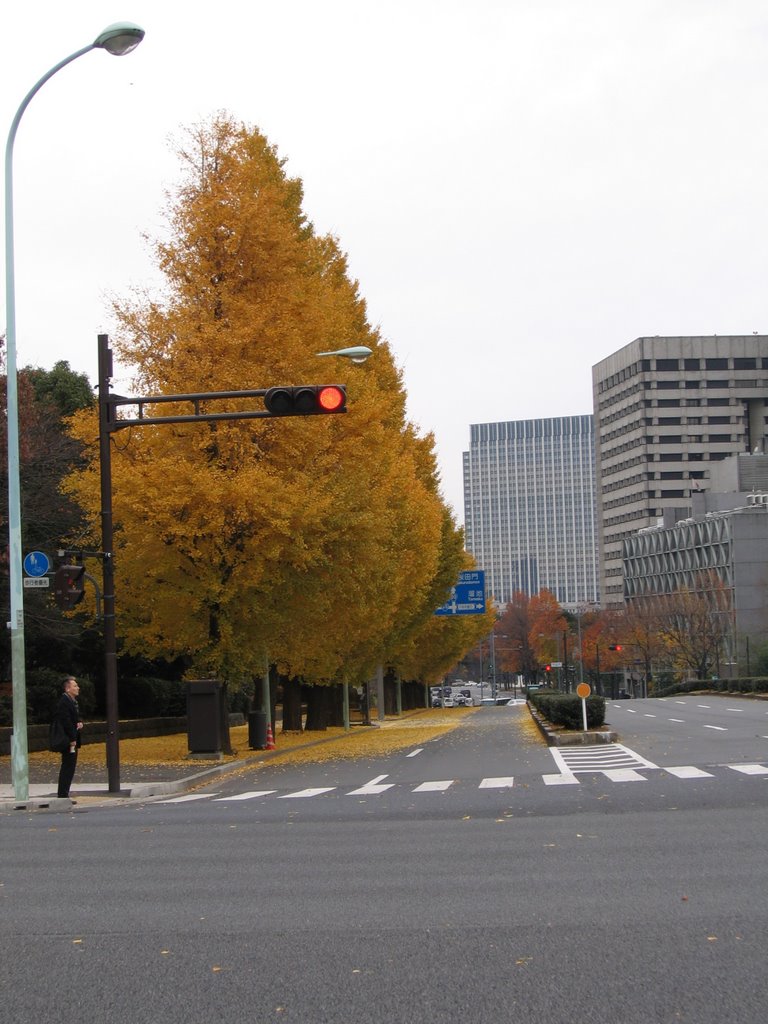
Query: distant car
{"points": [[515, 702], [487, 702], [449, 702], [624, 695]]}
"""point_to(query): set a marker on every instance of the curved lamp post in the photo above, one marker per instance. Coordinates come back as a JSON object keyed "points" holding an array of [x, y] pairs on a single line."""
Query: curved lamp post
{"points": [[117, 39]]}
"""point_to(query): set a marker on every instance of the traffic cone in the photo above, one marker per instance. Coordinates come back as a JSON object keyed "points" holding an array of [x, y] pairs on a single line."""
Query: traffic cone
{"points": [[270, 737]]}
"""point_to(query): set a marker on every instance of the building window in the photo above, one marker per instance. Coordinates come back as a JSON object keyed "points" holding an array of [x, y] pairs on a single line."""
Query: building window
{"points": [[692, 364], [667, 364], [667, 385], [717, 383], [745, 364], [716, 364], [673, 421], [692, 385]]}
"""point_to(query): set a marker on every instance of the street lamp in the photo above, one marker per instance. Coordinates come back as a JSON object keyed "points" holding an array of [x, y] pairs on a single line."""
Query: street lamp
{"points": [[117, 39]]}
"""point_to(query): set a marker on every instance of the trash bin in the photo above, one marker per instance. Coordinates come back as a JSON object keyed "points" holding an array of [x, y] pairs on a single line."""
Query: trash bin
{"points": [[257, 730], [207, 717]]}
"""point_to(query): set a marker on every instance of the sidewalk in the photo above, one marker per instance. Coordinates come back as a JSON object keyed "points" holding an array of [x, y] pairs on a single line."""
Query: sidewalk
{"points": [[158, 766]]}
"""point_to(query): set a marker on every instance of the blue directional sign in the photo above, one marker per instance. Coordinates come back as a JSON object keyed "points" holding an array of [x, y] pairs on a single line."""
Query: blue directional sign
{"points": [[467, 597], [36, 563]]}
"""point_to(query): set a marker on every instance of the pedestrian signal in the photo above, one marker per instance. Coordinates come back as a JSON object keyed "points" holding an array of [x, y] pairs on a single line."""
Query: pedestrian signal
{"points": [[69, 585], [615, 647]]}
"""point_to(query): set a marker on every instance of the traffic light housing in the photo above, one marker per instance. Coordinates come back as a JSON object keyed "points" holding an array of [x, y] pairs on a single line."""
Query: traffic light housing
{"points": [[69, 585], [615, 647], [306, 400], [547, 668]]}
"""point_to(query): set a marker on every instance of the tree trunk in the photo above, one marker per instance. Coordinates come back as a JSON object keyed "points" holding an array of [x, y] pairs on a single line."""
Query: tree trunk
{"points": [[317, 708], [291, 705]]}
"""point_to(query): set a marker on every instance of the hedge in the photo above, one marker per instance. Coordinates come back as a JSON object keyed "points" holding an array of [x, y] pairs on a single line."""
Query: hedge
{"points": [[742, 684], [565, 709]]}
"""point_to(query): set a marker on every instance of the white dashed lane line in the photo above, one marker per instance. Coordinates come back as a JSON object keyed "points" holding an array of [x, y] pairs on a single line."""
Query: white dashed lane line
{"points": [[718, 728]]}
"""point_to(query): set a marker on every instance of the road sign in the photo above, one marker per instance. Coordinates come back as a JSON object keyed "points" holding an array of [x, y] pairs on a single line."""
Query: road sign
{"points": [[36, 563], [36, 582], [467, 597], [583, 690]]}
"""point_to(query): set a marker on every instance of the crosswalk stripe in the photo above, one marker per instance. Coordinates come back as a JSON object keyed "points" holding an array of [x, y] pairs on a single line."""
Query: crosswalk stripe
{"points": [[624, 775], [500, 783], [749, 769], [188, 798], [434, 787], [560, 780], [245, 796], [301, 793], [688, 772], [413, 753]]}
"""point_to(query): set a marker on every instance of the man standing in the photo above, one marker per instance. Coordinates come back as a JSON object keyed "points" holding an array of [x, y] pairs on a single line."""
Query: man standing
{"points": [[68, 714]]}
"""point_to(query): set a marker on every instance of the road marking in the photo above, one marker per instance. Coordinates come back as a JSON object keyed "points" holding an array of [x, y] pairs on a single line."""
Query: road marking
{"points": [[301, 793], [734, 709], [188, 798], [681, 702], [631, 711], [624, 775], [688, 772], [749, 769], [681, 720], [500, 783], [719, 728], [413, 753], [649, 716], [560, 780], [372, 788], [707, 706], [245, 796], [597, 757], [433, 787]]}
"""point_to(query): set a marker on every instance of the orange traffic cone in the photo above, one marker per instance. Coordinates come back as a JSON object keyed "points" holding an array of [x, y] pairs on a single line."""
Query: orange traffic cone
{"points": [[270, 737]]}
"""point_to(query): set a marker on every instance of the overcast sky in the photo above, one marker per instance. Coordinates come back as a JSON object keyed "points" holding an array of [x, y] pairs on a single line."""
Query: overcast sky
{"points": [[522, 186]]}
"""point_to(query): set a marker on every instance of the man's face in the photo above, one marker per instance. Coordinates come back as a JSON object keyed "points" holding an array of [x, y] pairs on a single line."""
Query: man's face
{"points": [[73, 688]]}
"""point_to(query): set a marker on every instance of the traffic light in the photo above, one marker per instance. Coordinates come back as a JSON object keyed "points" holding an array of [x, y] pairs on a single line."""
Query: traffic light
{"points": [[615, 647], [69, 585], [306, 400], [547, 668]]}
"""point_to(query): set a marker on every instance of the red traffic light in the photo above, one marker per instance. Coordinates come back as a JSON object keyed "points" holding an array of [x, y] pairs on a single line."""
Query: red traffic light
{"points": [[547, 668], [306, 400], [615, 647]]}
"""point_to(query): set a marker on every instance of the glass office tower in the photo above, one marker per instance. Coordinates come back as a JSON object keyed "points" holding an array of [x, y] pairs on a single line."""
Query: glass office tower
{"points": [[529, 507]]}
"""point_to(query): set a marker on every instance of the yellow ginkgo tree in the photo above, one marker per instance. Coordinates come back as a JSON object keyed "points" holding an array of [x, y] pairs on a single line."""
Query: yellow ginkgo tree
{"points": [[317, 541]]}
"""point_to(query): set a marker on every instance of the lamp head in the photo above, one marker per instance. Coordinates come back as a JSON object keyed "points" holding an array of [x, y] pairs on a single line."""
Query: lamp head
{"points": [[356, 354], [120, 38]]}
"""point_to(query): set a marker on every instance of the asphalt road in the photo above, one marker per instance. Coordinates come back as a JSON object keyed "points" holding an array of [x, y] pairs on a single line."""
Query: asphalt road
{"points": [[599, 900]]}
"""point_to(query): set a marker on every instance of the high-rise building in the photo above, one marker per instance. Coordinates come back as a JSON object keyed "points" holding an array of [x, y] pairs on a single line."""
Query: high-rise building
{"points": [[665, 409], [529, 507]]}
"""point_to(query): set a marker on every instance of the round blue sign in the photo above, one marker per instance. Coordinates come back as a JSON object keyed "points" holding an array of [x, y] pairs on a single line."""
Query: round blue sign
{"points": [[36, 563]]}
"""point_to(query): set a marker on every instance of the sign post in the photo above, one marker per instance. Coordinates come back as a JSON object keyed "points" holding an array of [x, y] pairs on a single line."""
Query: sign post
{"points": [[583, 690]]}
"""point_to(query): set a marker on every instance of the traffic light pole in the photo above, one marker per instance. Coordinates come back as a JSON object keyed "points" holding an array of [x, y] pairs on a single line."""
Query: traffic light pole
{"points": [[323, 399]]}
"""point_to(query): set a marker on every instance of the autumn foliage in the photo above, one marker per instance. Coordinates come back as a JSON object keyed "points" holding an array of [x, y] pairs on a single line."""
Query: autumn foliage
{"points": [[321, 543]]}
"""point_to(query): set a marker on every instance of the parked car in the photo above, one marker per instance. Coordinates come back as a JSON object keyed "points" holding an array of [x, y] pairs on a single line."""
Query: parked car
{"points": [[449, 702], [624, 695]]}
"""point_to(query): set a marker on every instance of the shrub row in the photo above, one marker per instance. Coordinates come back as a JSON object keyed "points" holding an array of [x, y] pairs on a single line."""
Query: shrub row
{"points": [[743, 684], [565, 709]]}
